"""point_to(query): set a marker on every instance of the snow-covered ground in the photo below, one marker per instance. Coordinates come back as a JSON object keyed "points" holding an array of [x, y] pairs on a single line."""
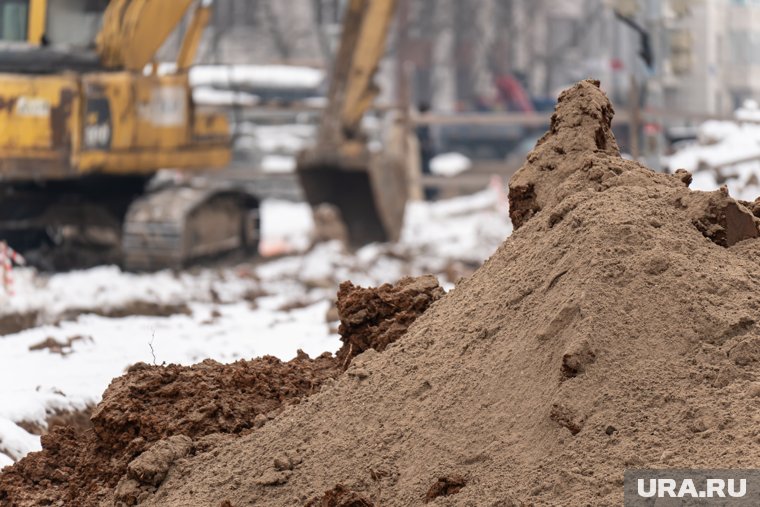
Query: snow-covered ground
{"points": [[726, 153], [65, 361]]}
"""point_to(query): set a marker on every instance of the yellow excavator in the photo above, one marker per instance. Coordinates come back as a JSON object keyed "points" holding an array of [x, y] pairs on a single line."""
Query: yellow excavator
{"points": [[368, 189], [86, 120]]}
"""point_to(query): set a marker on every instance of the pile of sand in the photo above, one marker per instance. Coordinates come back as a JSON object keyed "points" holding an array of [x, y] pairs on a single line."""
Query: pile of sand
{"points": [[615, 329]]}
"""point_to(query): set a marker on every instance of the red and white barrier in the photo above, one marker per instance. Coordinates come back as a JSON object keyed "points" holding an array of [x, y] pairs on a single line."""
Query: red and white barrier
{"points": [[8, 258]]}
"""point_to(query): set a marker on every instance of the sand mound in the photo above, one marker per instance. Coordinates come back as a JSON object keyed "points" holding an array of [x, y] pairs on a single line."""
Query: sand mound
{"points": [[616, 328], [153, 416]]}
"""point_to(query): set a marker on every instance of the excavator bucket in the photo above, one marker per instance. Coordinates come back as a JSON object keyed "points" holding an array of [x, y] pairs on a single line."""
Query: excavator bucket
{"points": [[369, 192]]}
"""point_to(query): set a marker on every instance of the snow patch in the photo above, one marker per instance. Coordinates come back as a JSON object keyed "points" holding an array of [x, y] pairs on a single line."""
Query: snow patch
{"points": [[278, 164], [450, 164]]}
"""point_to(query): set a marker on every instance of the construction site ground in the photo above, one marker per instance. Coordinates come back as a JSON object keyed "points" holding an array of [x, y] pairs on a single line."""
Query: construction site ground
{"points": [[63, 337]]}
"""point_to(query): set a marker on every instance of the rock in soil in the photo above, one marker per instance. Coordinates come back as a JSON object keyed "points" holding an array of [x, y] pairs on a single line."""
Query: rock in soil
{"points": [[446, 486]]}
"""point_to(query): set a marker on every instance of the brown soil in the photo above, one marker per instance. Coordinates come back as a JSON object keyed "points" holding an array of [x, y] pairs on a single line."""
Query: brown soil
{"points": [[376, 317], [133, 308], [17, 322], [153, 416], [79, 420], [147, 404], [58, 347], [616, 328], [340, 496]]}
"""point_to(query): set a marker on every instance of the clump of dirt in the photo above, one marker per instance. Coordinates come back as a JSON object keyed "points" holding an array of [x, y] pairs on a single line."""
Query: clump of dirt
{"points": [[153, 402], [720, 218], [16, 322], [373, 318], [57, 347], [154, 416], [446, 486], [340, 496], [131, 309], [146, 472], [607, 333]]}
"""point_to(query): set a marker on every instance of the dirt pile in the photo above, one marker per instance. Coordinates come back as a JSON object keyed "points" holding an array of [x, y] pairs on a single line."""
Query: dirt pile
{"points": [[373, 318], [615, 329], [151, 403], [154, 416]]}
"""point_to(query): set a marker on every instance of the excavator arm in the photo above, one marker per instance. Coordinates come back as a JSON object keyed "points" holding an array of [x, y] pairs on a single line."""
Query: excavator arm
{"points": [[134, 30], [360, 90], [37, 21], [192, 40], [352, 90], [368, 190]]}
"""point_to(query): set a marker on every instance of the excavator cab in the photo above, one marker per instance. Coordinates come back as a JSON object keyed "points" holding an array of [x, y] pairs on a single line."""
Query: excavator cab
{"points": [[74, 23], [368, 189], [14, 20]]}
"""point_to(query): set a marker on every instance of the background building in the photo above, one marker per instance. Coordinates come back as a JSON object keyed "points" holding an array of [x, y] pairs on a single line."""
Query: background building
{"points": [[705, 54]]}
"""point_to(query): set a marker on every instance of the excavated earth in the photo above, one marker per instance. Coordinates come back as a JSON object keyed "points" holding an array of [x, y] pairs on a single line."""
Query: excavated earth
{"points": [[154, 415], [615, 329]]}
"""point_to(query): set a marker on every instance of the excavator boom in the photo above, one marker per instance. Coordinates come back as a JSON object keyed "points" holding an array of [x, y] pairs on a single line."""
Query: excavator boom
{"points": [[369, 190], [134, 30]]}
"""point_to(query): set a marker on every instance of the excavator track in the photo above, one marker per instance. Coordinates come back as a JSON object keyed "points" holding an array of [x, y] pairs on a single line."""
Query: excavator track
{"points": [[63, 225], [175, 226]]}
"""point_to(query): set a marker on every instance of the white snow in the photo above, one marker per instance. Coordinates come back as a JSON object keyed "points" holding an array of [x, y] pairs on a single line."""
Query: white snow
{"points": [[285, 225], [107, 287], [750, 111], [726, 152], [15, 442], [288, 139], [278, 164], [207, 96], [256, 76], [450, 164], [253, 76], [274, 307]]}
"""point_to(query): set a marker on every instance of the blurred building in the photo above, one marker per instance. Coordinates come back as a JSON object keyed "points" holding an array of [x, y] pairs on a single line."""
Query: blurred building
{"points": [[713, 54], [704, 55]]}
